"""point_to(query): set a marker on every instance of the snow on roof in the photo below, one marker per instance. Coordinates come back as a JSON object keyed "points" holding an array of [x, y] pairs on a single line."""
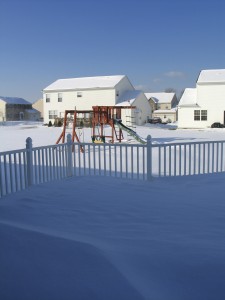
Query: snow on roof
{"points": [[85, 83], [189, 97], [14, 100], [160, 97], [211, 76], [128, 98]]}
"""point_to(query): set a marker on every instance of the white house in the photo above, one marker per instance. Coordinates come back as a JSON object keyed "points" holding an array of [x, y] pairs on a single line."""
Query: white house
{"points": [[17, 109], [140, 114], [200, 107], [83, 93], [164, 105]]}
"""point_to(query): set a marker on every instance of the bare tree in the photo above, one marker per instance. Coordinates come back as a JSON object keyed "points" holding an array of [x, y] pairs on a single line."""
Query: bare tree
{"points": [[170, 90]]}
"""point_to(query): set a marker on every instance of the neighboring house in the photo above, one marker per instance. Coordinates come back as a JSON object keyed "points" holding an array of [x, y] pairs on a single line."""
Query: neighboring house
{"points": [[83, 93], [17, 109], [38, 105], [140, 114], [164, 105], [200, 107]]}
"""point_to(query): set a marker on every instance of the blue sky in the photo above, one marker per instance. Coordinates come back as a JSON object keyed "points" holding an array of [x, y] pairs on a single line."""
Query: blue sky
{"points": [[158, 44]]}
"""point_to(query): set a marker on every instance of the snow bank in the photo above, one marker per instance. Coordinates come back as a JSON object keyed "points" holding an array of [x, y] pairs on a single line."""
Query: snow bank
{"points": [[106, 238]]}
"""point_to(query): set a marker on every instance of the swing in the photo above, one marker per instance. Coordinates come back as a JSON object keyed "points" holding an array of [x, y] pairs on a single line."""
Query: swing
{"points": [[98, 139]]}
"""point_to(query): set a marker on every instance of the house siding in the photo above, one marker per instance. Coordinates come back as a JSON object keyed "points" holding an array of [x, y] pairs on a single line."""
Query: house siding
{"points": [[186, 118], [211, 97], [166, 116], [164, 106], [70, 101], [2, 111], [17, 112], [122, 87], [143, 111], [38, 105]]}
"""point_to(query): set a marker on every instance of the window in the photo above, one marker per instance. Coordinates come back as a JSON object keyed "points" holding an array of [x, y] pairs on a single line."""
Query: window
{"points": [[203, 115], [196, 115], [52, 114], [200, 115], [47, 98], [59, 97], [79, 94]]}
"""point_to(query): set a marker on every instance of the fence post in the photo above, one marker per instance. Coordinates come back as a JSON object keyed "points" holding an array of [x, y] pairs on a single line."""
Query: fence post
{"points": [[149, 157], [69, 155], [29, 162]]}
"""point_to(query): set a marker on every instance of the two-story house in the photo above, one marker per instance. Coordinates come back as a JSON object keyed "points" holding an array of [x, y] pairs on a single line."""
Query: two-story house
{"points": [[163, 105], [17, 109], [83, 93], [200, 107]]}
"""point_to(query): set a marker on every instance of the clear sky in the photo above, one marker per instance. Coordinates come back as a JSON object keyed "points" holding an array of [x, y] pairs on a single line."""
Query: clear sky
{"points": [[158, 44]]}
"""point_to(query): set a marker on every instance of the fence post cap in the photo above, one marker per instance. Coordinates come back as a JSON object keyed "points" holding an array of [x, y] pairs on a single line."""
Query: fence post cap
{"points": [[149, 137], [29, 141]]}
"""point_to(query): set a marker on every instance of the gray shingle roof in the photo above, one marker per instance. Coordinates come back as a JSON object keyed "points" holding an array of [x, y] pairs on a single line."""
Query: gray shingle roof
{"points": [[14, 100]]}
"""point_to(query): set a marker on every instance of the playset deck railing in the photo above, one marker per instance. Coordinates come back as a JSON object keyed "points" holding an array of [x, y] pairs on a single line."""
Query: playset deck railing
{"points": [[23, 168]]}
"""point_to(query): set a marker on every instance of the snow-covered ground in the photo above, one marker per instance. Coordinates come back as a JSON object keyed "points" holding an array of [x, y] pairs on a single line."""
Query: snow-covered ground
{"points": [[14, 137], [108, 238]]}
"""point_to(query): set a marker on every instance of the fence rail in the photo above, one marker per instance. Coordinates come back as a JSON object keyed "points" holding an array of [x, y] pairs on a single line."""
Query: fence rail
{"points": [[20, 169]]}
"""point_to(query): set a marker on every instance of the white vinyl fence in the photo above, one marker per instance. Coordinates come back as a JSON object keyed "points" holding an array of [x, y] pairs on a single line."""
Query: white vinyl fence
{"points": [[20, 169]]}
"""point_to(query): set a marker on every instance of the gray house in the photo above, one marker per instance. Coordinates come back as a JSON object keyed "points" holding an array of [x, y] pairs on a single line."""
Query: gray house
{"points": [[17, 109]]}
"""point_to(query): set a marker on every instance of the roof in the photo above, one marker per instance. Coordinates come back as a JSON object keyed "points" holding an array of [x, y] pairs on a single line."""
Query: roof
{"points": [[128, 98], [189, 97], [211, 76], [160, 97], [14, 100], [85, 83], [39, 100]]}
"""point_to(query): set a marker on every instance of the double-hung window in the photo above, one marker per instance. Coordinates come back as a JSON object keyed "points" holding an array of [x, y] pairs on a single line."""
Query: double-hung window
{"points": [[47, 98], [203, 115], [197, 115], [200, 115], [52, 114], [60, 97]]}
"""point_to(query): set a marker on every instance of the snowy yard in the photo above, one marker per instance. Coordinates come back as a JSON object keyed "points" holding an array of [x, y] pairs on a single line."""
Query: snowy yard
{"points": [[14, 137], [109, 238]]}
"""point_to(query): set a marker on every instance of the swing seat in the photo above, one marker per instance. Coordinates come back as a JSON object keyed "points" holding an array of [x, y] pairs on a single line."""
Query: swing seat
{"points": [[98, 139]]}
